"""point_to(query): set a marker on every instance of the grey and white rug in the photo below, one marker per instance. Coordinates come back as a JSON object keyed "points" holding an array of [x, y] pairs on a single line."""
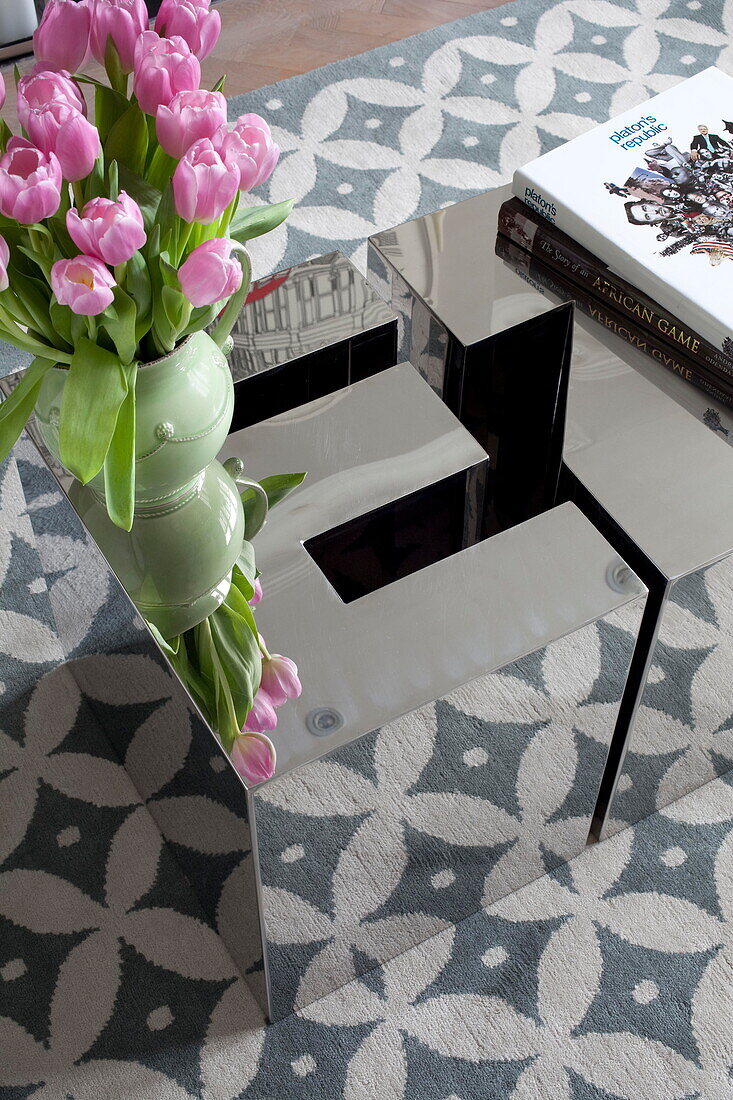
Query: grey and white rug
{"points": [[610, 977]]}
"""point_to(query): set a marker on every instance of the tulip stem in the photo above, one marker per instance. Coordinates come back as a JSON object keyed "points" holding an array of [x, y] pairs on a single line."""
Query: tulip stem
{"points": [[183, 238], [263, 648], [78, 194], [229, 314]]}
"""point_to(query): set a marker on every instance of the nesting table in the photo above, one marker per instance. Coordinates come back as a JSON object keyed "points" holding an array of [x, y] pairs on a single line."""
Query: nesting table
{"points": [[645, 455], [464, 634]]}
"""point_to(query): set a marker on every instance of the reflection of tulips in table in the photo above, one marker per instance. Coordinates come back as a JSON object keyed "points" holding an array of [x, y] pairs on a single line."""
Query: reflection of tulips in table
{"points": [[121, 237], [253, 754]]}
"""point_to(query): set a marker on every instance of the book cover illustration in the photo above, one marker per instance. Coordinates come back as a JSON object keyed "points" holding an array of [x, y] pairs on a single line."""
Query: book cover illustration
{"points": [[651, 193]]}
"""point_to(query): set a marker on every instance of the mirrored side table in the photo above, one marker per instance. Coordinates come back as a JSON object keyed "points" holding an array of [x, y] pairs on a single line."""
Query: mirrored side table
{"points": [[462, 668], [645, 456]]}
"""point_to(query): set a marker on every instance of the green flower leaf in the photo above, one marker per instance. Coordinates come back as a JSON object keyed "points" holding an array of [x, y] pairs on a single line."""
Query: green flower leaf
{"points": [[119, 462], [5, 134], [170, 646], [226, 719], [93, 394], [238, 603], [119, 322], [200, 690], [109, 106], [137, 285], [245, 571], [278, 486], [95, 186], [16, 408], [113, 67], [239, 657], [127, 141], [113, 184], [253, 221], [61, 318], [161, 168], [145, 195]]}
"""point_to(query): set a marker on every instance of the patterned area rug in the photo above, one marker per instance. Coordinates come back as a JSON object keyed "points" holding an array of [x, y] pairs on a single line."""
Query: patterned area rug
{"points": [[610, 977]]}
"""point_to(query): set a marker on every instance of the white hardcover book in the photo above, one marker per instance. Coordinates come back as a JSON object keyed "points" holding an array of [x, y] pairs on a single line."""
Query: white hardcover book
{"points": [[651, 194]]}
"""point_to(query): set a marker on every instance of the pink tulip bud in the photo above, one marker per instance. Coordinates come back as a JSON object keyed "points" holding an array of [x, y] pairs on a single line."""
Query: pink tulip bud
{"points": [[83, 284], [163, 67], [30, 182], [2, 91], [253, 755], [261, 717], [43, 89], [108, 230], [192, 20], [61, 40], [60, 129], [203, 185], [256, 135], [210, 274], [257, 596], [189, 117], [280, 679], [236, 156], [4, 261], [122, 21]]}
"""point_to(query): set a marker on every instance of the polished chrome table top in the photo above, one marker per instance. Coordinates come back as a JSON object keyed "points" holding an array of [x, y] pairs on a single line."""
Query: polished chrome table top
{"points": [[637, 437], [302, 310], [423, 634]]}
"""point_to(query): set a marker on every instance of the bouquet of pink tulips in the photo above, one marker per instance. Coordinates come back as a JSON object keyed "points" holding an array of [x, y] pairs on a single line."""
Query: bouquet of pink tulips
{"points": [[118, 239], [121, 237]]}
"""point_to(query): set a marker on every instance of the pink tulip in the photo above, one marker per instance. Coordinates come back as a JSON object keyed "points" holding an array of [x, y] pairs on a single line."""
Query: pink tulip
{"points": [[2, 91], [46, 88], [236, 155], [203, 185], [30, 182], [83, 284], [189, 117], [60, 129], [4, 261], [253, 755], [163, 67], [192, 20], [250, 149], [210, 274], [108, 230], [280, 679], [261, 717], [257, 596], [122, 21], [61, 40]]}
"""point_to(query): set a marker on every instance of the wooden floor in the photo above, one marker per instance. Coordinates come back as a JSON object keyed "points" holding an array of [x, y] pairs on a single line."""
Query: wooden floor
{"points": [[267, 40]]}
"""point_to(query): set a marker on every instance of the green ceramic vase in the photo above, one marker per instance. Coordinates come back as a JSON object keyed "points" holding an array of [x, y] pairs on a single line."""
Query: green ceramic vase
{"points": [[188, 526]]}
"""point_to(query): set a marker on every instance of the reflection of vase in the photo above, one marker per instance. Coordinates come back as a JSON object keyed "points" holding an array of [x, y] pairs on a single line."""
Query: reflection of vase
{"points": [[188, 526]]}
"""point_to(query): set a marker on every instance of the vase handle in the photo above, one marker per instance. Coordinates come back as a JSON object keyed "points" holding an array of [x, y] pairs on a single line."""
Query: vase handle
{"points": [[234, 467]]}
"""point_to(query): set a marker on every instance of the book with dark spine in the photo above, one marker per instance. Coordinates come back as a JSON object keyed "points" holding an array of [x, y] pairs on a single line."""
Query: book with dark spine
{"points": [[651, 194], [560, 252], [546, 279]]}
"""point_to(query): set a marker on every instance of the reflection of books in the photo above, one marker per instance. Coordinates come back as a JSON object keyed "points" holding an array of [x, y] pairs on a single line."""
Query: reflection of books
{"points": [[559, 251], [549, 282], [650, 193]]}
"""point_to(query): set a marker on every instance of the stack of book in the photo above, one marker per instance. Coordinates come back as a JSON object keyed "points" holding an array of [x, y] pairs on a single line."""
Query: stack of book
{"points": [[634, 221]]}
